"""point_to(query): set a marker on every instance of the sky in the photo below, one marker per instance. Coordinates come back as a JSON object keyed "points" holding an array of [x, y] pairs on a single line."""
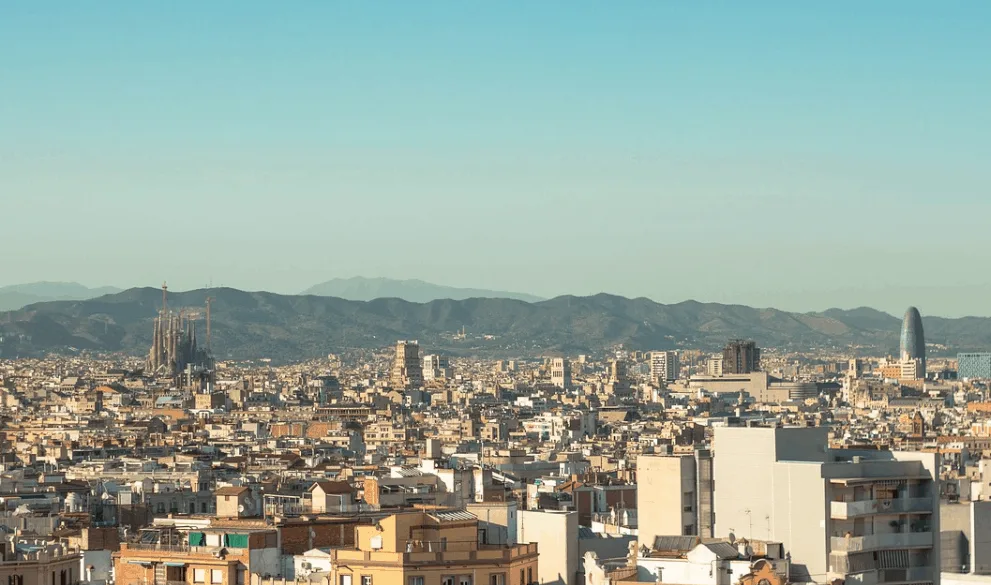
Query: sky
{"points": [[785, 154]]}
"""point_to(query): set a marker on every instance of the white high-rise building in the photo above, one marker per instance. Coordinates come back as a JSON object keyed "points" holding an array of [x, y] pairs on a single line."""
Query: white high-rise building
{"points": [[664, 366], [436, 367], [868, 517]]}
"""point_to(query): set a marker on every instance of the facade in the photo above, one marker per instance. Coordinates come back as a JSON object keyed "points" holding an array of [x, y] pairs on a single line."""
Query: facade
{"points": [[556, 535], [436, 548], [867, 517], [974, 366], [664, 366], [407, 372], [38, 562], [913, 341], [561, 373], [741, 357], [667, 497], [436, 367]]}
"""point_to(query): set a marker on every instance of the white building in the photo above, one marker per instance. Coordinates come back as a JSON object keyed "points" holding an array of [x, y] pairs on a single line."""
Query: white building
{"points": [[865, 517], [437, 367], [664, 366]]}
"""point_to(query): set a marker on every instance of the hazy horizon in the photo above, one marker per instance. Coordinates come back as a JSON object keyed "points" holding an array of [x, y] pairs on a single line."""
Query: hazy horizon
{"points": [[895, 311], [768, 154]]}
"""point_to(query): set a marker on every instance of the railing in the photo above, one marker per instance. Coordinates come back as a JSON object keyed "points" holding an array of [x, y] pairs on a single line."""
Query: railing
{"points": [[883, 576], [843, 510], [875, 541], [482, 554]]}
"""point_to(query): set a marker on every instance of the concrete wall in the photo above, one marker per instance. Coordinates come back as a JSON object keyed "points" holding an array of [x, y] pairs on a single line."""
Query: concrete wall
{"points": [[980, 542], [499, 521], [556, 535], [662, 483]]}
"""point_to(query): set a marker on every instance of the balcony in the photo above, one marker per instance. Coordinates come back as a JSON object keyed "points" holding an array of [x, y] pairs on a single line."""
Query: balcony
{"points": [[845, 510], [891, 576], [879, 541], [419, 556]]}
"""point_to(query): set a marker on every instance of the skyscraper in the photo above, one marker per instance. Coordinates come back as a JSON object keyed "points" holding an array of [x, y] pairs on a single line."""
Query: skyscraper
{"points": [[407, 371], [913, 342], [741, 357], [664, 366]]}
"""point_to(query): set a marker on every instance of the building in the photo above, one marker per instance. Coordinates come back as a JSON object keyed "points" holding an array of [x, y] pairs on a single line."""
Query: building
{"points": [[974, 366], [741, 357], [556, 535], [437, 367], [430, 548], [561, 373], [407, 372], [912, 369], [913, 341], [664, 366], [863, 516], [714, 366], [32, 561], [618, 372], [670, 499]]}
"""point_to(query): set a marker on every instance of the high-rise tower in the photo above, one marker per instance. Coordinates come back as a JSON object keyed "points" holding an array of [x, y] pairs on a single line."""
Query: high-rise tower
{"points": [[407, 371], [913, 342]]}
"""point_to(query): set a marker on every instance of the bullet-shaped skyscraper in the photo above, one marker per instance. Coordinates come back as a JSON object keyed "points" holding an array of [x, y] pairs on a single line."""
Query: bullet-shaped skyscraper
{"points": [[913, 342]]}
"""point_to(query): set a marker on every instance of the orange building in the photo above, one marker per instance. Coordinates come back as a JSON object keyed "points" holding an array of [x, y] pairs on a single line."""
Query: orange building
{"points": [[430, 548]]}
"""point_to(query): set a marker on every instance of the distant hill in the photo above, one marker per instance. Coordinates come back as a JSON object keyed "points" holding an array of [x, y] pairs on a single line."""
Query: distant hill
{"points": [[415, 291], [249, 325], [19, 295]]}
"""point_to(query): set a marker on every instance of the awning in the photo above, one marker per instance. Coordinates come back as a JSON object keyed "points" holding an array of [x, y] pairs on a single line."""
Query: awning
{"points": [[174, 564], [142, 563]]}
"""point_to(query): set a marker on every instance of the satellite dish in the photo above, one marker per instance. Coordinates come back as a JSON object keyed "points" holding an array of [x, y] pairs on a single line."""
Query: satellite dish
{"points": [[240, 509]]}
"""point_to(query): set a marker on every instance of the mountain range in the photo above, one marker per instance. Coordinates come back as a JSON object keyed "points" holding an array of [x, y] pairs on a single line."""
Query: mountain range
{"points": [[19, 295], [248, 325], [360, 288]]}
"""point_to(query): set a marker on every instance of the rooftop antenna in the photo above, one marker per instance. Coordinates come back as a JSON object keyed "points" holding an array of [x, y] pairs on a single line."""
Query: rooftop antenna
{"points": [[165, 293]]}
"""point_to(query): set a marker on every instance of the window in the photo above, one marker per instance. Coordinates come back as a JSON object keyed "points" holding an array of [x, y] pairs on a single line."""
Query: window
{"points": [[216, 576], [687, 508], [447, 580], [497, 579], [529, 574], [366, 580], [345, 579], [464, 580], [414, 580], [689, 530], [482, 536], [199, 575], [522, 577]]}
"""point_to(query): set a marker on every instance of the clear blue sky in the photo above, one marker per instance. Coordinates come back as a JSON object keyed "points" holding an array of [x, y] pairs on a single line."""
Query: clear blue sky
{"points": [[783, 154]]}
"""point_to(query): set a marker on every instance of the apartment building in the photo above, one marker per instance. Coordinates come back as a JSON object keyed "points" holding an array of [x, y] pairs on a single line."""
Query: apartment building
{"points": [[25, 561], [430, 548], [867, 517], [674, 496]]}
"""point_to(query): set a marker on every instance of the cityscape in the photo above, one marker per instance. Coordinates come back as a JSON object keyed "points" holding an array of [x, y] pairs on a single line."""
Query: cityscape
{"points": [[512, 293]]}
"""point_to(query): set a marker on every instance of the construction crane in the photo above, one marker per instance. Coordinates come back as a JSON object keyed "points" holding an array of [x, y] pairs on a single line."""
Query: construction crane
{"points": [[208, 301]]}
